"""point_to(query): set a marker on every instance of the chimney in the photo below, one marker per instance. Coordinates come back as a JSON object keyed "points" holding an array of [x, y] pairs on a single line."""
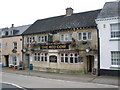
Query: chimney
{"points": [[69, 11], [12, 25]]}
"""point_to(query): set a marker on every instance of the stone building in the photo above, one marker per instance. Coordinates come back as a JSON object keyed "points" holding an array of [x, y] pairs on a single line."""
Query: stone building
{"points": [[11, 45], [63, 43]]}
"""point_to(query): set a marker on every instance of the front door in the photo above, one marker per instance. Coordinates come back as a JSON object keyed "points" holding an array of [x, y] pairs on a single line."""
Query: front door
{"points": [[27, 60], [90, 63], [6, 61]]}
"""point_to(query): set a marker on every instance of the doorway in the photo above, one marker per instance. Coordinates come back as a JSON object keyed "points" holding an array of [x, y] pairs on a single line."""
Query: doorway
{"points": [[53, 59], [27, 57], [6, 60], [90, 63]]}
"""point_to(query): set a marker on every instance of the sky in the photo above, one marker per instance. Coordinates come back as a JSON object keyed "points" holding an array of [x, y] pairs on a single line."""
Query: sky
{"points": [[24, 12]]}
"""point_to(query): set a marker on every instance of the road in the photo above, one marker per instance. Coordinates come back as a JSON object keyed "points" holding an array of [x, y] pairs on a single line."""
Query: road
{"points": [[39, 82]]}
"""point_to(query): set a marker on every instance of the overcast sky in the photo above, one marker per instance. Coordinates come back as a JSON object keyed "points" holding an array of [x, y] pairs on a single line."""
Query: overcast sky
{"points": [[24, 12]]}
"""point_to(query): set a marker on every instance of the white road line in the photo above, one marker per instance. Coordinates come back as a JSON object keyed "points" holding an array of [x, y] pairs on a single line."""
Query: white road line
{"points": [[14, 85]]}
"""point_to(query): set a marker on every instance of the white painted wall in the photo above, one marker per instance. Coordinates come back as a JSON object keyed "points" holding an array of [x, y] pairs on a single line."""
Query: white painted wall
{"points": [[106, 45]]}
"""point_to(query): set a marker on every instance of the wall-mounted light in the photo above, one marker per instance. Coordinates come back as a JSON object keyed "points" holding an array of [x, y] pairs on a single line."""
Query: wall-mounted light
{"points": [[88, 49]]}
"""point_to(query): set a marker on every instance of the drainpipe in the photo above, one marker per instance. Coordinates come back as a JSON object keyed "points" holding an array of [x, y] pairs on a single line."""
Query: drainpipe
{"points": [[98, 38]]}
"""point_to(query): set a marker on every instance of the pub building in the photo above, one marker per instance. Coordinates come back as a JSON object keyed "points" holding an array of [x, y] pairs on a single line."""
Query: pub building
{"points": [[63, 43]]}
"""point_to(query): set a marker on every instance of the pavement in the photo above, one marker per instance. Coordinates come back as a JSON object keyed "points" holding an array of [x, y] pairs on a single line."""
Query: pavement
{"points": [[110, 80]]}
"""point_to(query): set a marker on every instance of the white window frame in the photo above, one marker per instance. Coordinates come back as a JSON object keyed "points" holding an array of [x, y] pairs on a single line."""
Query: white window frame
{"points": [[15, 45], [64, 57], [41, 38], [69, 56], [30, 39], [87, 34], [115, 58], [39, 56], [114, 31], [66, 37]]}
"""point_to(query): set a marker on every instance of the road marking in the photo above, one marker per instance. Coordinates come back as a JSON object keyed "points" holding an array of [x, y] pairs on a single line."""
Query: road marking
{"points": [[60, 80], [14, 85]]}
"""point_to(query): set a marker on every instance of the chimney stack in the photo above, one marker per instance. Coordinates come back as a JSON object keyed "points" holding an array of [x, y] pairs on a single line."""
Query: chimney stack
{"points": [[12, 25], [69, 11]]}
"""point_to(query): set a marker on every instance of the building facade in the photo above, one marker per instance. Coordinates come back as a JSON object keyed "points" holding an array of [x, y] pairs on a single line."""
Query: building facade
{"points": [[11, 45], [109, 32], [67, 42]]}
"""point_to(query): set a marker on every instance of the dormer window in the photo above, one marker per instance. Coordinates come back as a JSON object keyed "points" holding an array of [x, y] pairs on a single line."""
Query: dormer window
{"points": [[6, 33]]}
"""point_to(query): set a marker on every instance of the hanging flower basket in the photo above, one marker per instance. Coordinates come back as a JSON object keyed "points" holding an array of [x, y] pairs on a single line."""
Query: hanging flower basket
{"points": [[14, 50]]}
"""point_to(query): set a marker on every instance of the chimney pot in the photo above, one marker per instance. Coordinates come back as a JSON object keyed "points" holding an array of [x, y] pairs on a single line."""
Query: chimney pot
{"points": [[12, 25]]}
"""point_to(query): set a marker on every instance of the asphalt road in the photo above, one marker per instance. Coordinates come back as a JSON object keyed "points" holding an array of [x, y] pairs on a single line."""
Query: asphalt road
{"points": [[38, 82]]}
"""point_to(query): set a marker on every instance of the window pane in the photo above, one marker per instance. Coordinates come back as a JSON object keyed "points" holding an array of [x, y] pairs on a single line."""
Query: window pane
{"points": [[62, 37], [115, 27], [76, 60], [89, 35], [27, 39], [66, 59], [115, 30], [71, 59], [80, 36], [45, 38], [38, 56], [15, 45], [84, 36], [62, 59], [66, 37], [70, 36], [115, 58]]}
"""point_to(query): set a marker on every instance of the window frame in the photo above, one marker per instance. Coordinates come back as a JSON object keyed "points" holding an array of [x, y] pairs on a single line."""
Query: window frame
{"points": [[114, 31], [87, 34], [40, 57], [115, 58], [69, 57], [15, 46], [42, 38], [66, 37], [30, 39]]}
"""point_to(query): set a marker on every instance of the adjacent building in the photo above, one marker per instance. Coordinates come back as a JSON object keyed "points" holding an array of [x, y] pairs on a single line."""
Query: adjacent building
{"points": [[63, 43], [11, 45], [108, 22]]}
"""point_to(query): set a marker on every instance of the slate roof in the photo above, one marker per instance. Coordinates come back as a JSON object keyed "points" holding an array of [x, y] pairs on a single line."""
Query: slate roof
{"points": [[20, 30], [84, 19], [110, 9]]}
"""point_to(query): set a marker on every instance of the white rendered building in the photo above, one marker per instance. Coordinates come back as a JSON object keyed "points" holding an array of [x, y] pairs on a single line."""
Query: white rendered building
{"points": [[108, 22]]}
